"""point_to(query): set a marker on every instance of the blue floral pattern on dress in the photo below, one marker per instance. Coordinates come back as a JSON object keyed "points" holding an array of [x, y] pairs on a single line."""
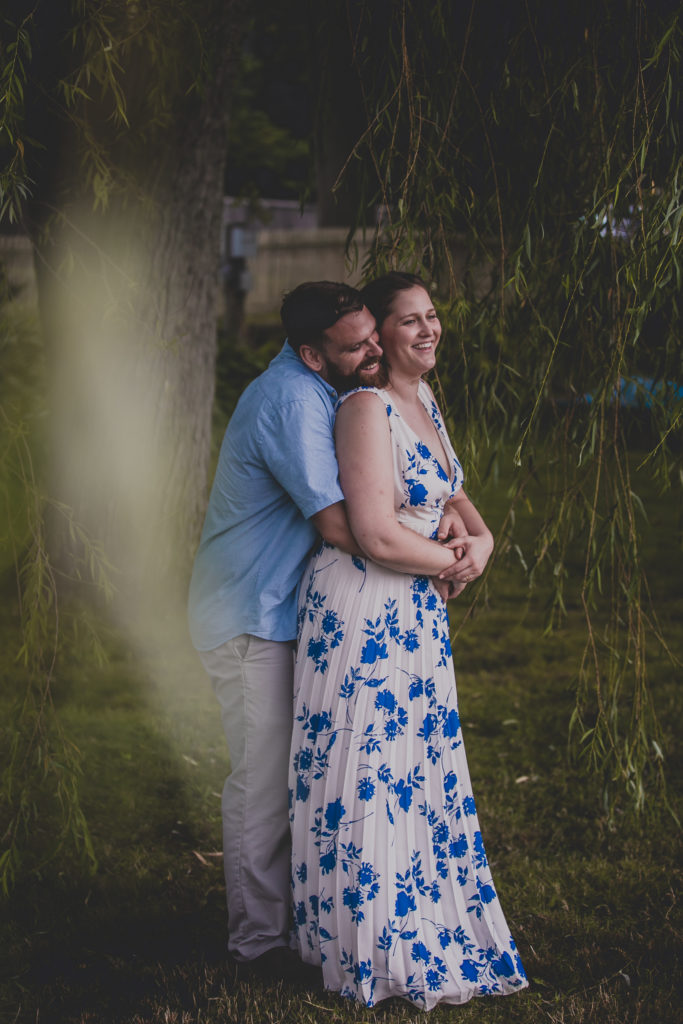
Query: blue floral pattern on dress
{"points": [[392, 891]]}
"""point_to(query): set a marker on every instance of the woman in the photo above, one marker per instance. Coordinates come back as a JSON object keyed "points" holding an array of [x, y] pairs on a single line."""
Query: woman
{"points": [[392, 892]]}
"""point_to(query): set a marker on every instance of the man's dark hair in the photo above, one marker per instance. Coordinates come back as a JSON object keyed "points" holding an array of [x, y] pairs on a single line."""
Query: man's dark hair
{"points": [[312, 307], [379, 294]]}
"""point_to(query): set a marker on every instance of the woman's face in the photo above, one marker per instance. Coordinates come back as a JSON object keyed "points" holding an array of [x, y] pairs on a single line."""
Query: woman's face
{"points": [[410, 333]]}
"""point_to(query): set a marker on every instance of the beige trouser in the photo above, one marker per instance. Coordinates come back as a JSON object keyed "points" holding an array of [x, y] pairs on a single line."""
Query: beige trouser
{"points": [[252, 679]]}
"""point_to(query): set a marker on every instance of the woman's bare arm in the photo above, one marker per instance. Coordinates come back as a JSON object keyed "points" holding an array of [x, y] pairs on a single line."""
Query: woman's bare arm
{"points": [[366, 474]]}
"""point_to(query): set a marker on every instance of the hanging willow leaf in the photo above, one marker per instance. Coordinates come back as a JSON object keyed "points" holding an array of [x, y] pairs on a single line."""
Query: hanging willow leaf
{"points": [[544, 153]]}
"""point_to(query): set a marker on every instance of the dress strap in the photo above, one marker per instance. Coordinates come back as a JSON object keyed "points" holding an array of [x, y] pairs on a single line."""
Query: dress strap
{"points": [[381, 394]]}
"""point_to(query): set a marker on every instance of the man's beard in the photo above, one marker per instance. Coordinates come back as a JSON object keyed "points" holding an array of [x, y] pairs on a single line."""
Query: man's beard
{"points": [[342, 382]]}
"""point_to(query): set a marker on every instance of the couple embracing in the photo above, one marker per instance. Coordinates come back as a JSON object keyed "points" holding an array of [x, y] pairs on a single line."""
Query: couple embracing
{"points": [[336, 530]]}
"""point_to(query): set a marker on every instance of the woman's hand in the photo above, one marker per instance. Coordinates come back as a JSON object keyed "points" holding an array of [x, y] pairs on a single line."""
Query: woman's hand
{"points": [[447, 589], [476, 551]]}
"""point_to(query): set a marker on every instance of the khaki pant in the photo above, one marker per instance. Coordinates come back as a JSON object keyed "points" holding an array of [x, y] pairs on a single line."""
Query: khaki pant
{"points": [[252, 679]]}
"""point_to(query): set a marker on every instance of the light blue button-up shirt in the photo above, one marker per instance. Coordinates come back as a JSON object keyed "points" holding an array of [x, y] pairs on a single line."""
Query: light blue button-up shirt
{"points": [[277, 468]]}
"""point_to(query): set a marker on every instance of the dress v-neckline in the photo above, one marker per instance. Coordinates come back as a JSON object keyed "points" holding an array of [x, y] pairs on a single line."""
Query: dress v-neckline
{"points": [[450, 472]]}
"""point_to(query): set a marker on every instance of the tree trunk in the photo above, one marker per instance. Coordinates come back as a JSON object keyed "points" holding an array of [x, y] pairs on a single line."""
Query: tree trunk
{"points": [[128, 301]]}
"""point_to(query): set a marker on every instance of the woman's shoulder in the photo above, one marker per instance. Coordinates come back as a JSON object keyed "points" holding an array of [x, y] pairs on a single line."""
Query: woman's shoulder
{"points": [[429, 401], [364, 394], [425, 391]]}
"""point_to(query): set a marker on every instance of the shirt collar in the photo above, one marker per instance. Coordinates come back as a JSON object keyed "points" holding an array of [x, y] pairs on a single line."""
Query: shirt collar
{"points": [[289, 354]]}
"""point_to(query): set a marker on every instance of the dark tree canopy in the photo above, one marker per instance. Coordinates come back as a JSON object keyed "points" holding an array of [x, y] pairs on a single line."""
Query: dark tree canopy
{"points": [[525, 156]]}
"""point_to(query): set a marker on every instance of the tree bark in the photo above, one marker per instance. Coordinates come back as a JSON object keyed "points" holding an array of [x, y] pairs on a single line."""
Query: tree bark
{"points": [[128, 301]]}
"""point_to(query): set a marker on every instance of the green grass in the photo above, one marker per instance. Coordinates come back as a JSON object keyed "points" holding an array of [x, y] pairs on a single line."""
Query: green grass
{"points": [[593, 904]]}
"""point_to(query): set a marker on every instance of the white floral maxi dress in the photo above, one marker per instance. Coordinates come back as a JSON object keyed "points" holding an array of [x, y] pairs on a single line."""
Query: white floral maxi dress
{"points": [[392, 892]]}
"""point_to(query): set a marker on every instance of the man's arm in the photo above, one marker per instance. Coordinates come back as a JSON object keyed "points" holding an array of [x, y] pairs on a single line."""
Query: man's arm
{"points": [[333, 526], [452, 524]]}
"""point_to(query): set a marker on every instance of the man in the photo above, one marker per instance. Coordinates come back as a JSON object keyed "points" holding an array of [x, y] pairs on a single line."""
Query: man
{"points": [[276, 489]]}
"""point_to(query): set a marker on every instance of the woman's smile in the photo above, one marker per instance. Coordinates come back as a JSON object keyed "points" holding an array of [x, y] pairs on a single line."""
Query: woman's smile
{"points": [[410, 333]]}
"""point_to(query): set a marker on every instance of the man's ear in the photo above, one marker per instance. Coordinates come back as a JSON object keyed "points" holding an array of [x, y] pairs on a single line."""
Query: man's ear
{"points": [[312, 357]]}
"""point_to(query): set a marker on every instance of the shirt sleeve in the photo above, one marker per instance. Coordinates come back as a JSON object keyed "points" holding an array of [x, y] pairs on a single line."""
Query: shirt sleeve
{"points": [[297, 445]]}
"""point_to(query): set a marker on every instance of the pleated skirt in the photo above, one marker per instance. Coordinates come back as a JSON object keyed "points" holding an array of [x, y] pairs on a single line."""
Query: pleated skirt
{"points": [[392, 891]]}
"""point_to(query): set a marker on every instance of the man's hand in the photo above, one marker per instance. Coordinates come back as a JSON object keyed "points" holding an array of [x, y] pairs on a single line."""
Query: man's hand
{"points": [[452, 525], [447, 589]]}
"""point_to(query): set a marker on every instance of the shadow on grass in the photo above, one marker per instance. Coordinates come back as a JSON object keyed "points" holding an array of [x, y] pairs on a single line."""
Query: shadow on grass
{"points": [[78, 945], [593, 904]]}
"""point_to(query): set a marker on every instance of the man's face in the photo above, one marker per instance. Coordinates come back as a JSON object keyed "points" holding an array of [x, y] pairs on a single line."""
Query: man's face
{"points": [[351, 356]]}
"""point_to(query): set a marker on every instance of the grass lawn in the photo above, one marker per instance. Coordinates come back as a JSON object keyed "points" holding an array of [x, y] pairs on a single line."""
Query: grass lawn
{"points": [[594, 907]]}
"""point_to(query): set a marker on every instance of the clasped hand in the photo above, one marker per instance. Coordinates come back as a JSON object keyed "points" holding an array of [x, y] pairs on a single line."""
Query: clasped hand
{"points": [[471, 555]]}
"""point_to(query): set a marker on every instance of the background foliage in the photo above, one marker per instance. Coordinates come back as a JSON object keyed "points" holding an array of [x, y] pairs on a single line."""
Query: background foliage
{"points": [[545, 145], [595, 905], [530, 165], [113, 121]]}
